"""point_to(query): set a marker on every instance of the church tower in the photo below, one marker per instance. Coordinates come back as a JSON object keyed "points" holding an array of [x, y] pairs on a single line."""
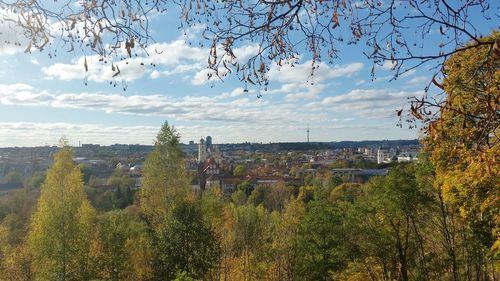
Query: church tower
{"points": [[202, 151]]}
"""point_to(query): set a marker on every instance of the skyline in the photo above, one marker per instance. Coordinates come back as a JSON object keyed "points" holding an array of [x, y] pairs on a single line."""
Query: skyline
{"points": [[77, 143], [47, 95]]}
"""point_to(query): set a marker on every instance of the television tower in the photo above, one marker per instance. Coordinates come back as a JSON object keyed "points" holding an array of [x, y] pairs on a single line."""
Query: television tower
{"points": [[307, 132]]}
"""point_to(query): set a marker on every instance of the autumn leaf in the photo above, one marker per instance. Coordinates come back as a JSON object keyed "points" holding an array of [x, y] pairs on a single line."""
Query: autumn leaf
{"points": [[85, 65]]}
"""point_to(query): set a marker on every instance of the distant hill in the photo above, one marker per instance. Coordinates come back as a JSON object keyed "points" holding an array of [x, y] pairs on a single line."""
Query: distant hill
{"points": [[6, 187]]}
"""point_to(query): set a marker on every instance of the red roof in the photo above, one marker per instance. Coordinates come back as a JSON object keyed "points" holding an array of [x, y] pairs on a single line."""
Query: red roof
{"points": [[208, 163]]}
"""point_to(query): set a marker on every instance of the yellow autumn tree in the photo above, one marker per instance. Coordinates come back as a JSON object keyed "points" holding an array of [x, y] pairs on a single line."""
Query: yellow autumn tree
{"points": [[61, 228], [463, 142]]}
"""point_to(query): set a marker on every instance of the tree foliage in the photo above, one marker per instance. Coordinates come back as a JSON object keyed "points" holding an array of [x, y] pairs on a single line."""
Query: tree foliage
{"points": [[463, 140], [393, 31], [432, 220], [165, 180], [111, 245], [185, 244], [13, 177], [62, 225], [240, 170], [319, 239]]}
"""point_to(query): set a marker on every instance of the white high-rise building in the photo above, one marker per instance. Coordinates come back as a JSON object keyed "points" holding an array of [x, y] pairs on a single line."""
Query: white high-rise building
{"points": [[384, 155]]}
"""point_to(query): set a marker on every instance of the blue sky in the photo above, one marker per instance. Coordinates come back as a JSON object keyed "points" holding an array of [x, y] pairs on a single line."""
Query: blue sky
{"points": [[42, 98]]}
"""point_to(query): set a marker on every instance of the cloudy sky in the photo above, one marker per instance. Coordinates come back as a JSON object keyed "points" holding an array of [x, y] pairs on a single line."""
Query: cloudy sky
{"points": [[44, 97]]}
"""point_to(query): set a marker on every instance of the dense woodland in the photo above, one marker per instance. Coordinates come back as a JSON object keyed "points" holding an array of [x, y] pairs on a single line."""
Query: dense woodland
{"points": [[435, 220]]}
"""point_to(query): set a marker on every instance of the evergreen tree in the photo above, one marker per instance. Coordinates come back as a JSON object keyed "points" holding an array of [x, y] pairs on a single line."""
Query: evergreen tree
{"points": [[185, 244], [165, 180], [319, 240]]}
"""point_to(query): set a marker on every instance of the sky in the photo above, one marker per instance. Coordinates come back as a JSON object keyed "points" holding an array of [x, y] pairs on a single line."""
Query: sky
{"points": [[43, 98]]}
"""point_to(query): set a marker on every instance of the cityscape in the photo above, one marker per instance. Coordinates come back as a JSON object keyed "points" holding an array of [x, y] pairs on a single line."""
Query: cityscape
{"points": [[214, 164], [268, 140]]}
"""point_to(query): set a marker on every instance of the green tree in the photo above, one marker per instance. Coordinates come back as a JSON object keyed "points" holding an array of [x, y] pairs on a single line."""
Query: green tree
{"points": [[185, 244], [61, 227], [259, 194], [246, 187], [332, 181], [251, 237], [13, 177], [87, 172], [319, 240], [183, 276], [392, 217], [240, 170], [36, 180], [110, 248], [212, 208], [122, 184], [277, 197], [239, 198], [307, 193], [286, 241], [346, 192], [15, 261], [165, 180]]}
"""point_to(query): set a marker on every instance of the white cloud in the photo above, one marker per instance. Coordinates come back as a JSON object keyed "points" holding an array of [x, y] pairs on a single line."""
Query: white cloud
{"points": [[98, 71], [40, 133], [408, 73], [301, 72], [24, 94], [422, 80], [12, 39], [245, 52], [174, 53], [183, 68], [232, 106], [206, 75], [389, 65], [35, 133], [154, 74], [234, 93], [366, 103], [299, 85], [170, 58], [300, 92], [202, 77]]}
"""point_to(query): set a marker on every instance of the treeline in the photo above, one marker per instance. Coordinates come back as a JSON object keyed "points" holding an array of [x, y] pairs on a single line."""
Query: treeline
{"points": [[305, 146], [397, 227]]}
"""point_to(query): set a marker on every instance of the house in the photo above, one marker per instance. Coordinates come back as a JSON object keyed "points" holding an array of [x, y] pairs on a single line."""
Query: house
{"points": [[267, 181], [212, 181], [228, 184], [136, 170], [124, 168], [210, 167], [207, 169]]}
